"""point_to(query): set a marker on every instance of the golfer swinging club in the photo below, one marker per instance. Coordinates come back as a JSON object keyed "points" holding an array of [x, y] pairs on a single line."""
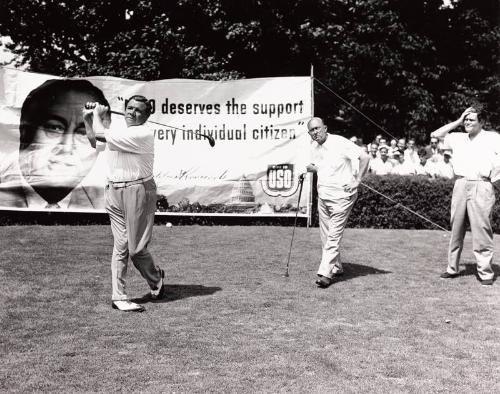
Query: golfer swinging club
{"points": [[340, 165], [130, 194]]}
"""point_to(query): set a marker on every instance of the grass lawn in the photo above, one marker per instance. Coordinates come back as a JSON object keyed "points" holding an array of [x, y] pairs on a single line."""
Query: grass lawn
{"points": [[232, 323]]}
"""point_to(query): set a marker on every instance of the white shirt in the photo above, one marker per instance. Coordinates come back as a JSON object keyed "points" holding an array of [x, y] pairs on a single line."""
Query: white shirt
{"points": [[379, 167], [444, 170], [404, 168], [474, 158], [428, 169], [436, 156], [337, 162], [411, 155], [130, 153]]}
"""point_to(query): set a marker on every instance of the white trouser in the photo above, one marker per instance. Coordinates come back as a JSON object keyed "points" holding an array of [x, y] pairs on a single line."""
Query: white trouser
{"points": [[333, 215], [131, 211], [474, 199]]}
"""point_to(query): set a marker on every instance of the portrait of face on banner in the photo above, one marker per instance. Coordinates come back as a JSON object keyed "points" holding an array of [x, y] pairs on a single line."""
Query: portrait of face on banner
{"points": [[54, 153]]}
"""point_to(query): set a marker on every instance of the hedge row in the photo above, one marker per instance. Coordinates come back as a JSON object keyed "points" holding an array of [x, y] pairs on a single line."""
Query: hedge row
{"points": [[428, 197]]}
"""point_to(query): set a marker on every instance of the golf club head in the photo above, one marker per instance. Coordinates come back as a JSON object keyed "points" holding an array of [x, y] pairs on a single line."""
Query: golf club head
{"points": [[211, 141], [287, 274]]}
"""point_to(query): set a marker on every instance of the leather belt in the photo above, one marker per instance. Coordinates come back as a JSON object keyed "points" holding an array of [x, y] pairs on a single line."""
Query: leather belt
{"points": [[118, 185], [481, 178]]}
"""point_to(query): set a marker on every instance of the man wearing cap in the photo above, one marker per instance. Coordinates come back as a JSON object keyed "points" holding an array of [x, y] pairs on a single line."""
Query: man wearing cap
{"points": [[475, 155], [444, 168], [425, 166], [130, 194], [340, 165], [382, 165], [401, 166]]}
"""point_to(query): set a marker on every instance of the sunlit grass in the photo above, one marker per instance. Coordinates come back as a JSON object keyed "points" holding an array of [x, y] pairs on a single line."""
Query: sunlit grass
{"points": [[232, 323]]}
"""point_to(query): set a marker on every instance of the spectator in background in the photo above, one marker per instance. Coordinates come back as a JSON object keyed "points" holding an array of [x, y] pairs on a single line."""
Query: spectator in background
{"points": [[365, 149], [377, 139], [425, 166], [381, 165], [393, 147], [354, 140], [433, 152], [383, 141], [444, 168], [402, 144], [411, 153], [373, 151], [401, 167]]}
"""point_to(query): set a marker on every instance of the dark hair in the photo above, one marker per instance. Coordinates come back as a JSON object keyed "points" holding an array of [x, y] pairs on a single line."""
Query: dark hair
{"points": [[479, 109], [422, 152], [141, 99], [38, 100]]}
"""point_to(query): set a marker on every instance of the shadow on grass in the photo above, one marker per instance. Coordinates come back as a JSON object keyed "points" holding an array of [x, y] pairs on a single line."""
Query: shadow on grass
{"points": [[471, 269], [178, 292], [352, 271]]}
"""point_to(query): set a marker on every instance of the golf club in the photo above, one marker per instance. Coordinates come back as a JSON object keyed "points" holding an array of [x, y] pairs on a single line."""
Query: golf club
{"points": [[301, 183], [210, 139]]}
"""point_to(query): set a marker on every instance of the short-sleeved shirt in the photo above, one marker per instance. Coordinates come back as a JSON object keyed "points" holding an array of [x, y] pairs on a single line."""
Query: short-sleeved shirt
{"points": [[337, 161], [130, 153], [474, 158], [380, 167]]}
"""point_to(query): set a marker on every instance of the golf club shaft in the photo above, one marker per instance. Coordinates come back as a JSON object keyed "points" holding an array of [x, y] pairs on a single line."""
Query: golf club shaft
{"points": [[211, 141], [301, 182]]}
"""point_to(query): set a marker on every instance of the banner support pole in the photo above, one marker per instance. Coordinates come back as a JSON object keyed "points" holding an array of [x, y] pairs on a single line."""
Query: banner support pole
{"points": [[309, 215]]}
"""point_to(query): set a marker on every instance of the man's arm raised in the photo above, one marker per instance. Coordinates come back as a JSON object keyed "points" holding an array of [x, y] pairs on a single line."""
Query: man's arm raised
{"points": [[444, 130]]}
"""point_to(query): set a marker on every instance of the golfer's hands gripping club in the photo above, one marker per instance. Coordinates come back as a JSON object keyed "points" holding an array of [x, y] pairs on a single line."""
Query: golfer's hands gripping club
{"points": [[95, 109]]}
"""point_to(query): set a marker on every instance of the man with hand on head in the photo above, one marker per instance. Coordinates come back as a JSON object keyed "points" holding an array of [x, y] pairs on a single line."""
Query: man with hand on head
{"points": [[340, 165], [475, 155], [130, 194]]}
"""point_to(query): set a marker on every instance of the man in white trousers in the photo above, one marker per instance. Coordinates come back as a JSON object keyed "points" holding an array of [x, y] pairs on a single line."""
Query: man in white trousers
{"points": [[340, 165], [475, 156], [130, 194]]}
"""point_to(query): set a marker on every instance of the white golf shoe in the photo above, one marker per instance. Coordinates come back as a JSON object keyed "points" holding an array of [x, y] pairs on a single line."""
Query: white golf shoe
{"points": [[127, 306]]}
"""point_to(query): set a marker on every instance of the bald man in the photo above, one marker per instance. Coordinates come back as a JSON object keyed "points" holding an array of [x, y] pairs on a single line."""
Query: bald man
{"points": [[340, 165]]}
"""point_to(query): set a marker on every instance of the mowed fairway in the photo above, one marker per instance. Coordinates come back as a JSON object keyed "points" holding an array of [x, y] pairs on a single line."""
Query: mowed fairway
{"points": [[232, 323]]}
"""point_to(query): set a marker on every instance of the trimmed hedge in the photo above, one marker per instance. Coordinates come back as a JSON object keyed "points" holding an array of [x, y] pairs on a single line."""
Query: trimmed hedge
{"points": [[428, 197]]}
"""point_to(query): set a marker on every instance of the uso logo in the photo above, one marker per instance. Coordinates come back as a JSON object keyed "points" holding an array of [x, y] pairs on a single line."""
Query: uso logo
{"points": [[280, 180]]}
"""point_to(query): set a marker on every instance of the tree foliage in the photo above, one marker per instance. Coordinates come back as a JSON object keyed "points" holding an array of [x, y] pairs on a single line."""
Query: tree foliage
{"points": [[409, 65]]}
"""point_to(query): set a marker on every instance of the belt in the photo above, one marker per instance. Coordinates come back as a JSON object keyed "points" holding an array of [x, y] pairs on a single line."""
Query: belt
{"points": [[118, 185], [481, 178]]}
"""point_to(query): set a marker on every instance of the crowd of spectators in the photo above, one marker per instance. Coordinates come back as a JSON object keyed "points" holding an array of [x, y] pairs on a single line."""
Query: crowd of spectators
{"points": [[404, 157]]}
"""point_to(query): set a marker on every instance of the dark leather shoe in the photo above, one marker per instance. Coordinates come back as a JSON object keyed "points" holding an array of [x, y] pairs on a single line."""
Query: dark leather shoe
{"points": [[127, 306], [447, 275], [159, 292], [323, 282]]}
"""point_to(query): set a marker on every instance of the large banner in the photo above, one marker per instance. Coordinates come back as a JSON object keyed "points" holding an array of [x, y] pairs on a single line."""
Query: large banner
{"points": [[258, 125]]}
